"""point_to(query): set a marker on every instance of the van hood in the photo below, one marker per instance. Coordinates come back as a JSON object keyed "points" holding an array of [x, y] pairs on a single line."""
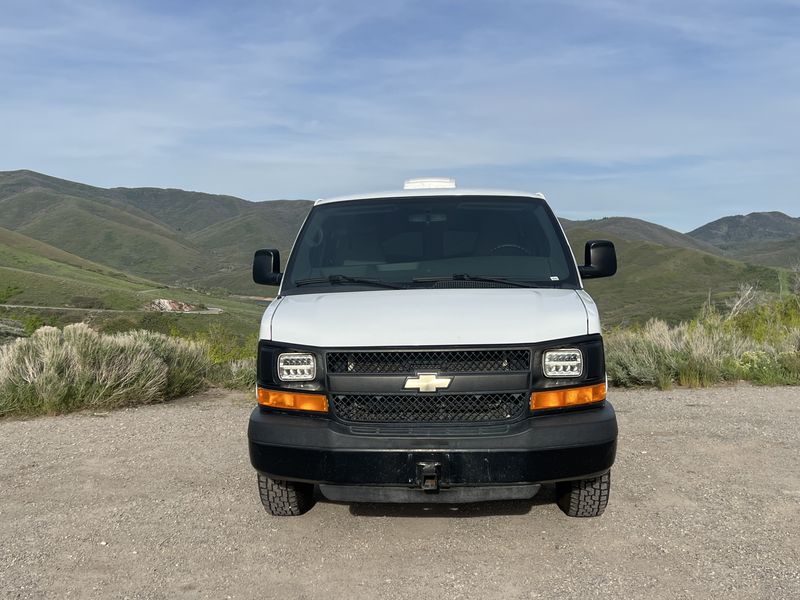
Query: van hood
{"points": [[429, 317]]}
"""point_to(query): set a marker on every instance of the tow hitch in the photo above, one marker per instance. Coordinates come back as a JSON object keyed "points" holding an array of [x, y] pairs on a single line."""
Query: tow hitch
{"points": [[429, 475]]}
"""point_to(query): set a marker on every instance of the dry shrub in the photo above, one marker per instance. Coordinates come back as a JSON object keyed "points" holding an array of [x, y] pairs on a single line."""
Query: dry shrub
{"points": [[235, 374], [698, 354], [56, 371], [186, 360]]}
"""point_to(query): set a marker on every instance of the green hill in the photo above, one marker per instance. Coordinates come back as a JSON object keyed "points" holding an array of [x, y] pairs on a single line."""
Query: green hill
{"points": [[36, 273], [638, 230], [19, 243], [100, 231], [67, 288], [171, 236], [670, 283], [65, 244], [775, 253]]}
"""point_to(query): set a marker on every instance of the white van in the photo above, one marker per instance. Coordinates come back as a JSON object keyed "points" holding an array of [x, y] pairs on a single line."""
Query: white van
{"points": [[432, 345]]}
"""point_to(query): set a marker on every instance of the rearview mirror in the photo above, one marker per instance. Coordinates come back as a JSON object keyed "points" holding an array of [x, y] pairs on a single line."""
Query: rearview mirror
{"points": [[267, 267], [600, 258]]}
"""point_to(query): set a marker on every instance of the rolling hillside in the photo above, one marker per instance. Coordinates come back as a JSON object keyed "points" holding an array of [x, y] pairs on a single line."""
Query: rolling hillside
{"points": [[33, 272], [67, 288], [667, 282], [774, 253], [171, 236], [639, 230], [65, 243]]}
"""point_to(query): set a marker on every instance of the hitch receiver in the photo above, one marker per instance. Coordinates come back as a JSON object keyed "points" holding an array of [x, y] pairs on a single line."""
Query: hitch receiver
{"points": [[429, 475]]}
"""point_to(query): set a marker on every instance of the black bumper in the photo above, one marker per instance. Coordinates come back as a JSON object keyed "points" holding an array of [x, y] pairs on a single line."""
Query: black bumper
{"points": [[546, 448]]}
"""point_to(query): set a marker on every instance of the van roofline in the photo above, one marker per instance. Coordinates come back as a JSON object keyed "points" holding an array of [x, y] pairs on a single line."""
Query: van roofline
{"points": [[423, 193]]}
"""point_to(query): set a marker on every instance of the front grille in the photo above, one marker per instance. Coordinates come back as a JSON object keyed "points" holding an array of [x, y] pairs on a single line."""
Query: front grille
{"points": [[444, 361], [439, 408]]}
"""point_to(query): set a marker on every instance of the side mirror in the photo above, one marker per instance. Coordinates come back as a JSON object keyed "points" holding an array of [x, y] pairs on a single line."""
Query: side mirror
{"points": [[267, 267], [600, 258]]}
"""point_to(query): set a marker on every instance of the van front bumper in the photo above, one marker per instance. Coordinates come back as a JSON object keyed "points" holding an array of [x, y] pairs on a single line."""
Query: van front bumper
{"points": [[392, 462]]}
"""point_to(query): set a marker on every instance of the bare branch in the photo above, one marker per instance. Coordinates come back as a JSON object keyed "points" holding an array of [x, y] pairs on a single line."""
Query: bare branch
{"points": [[795, 282], [745, 299]]}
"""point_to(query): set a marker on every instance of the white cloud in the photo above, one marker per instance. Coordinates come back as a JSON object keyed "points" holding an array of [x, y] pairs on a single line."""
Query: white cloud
{"points": [[636, 105]]}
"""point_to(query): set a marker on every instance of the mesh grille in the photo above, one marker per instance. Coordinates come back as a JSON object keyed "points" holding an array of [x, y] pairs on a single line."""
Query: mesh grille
{"points": [[444, 408], [448, 361]]}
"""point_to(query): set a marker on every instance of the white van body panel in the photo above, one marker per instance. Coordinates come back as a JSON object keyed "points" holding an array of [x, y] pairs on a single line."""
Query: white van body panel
{"points": [[427, 317], [592, 313], [265, 333], [430, 192]]}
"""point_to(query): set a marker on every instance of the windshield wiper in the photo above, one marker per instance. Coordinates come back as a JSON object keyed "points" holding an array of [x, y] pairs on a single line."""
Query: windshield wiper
{"points": [[340, 279], [468, 277]]}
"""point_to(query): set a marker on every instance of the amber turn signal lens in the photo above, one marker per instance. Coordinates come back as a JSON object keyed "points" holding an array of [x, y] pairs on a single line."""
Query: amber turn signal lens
{"points": [[569, 397], [293, 400]]}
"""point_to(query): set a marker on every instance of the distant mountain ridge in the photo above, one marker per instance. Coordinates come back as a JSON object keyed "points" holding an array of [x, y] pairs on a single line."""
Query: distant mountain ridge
{"points": [[764, 238], [754, 227]]}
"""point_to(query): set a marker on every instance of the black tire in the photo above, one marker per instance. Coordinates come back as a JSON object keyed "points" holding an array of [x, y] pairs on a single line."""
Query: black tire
{"points": [[584, 497], [285, 498]]}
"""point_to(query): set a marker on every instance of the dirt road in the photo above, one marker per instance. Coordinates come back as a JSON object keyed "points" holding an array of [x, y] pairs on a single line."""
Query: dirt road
{"points": [[211, 310], [160, 502]]}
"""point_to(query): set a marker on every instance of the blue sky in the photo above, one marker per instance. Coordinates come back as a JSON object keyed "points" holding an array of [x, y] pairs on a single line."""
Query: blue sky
{"points": [[677, 112]]}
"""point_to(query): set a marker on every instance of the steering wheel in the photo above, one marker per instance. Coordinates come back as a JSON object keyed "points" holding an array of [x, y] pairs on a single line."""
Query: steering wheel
{"points": [[520, 250]]}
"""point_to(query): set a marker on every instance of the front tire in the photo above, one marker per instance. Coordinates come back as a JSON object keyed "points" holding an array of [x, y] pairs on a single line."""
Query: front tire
{"points": [[285, 498], [584, 497]]}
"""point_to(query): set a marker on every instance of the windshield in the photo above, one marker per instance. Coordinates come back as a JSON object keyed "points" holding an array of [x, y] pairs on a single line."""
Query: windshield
{"points": [[454, 241]]}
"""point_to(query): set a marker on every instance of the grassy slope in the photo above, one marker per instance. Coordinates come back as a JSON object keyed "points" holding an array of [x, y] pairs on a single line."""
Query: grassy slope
{"points": [[776, 253], [670, 283], [639, 230], [206, 241], [101, 233], [232, 243], [34, 273], [13, 242], [181, 211], [173, 236]]}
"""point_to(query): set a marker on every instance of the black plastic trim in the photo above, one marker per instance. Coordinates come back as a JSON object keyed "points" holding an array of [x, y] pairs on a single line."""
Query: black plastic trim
{"points": [[407, 495], [591, 345], [461, 383], [548, 448]]}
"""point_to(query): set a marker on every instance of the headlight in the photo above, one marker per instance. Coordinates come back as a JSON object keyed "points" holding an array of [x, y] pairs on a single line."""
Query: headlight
{"points": [[563, 362], [296, 366]]}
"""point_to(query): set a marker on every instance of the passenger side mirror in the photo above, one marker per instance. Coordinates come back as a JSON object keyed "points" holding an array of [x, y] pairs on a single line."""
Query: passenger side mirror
{"points": [[600, 258], [267, 267]]}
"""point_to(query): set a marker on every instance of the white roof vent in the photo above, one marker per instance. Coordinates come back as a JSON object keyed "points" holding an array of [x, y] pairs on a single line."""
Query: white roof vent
{"points": [[430, 183]]}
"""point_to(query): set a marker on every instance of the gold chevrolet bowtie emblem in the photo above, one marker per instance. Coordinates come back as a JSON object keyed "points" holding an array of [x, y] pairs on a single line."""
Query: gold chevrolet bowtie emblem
{"points": [[427, 382]]}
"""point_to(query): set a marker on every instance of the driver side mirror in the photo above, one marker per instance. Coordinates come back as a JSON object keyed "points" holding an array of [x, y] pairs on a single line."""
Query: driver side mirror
{"points": [[600, 258], [267, 267]]}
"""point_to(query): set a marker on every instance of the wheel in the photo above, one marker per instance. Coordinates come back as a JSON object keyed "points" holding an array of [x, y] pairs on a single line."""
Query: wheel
{"points": [[584, 497], [285, 498]]}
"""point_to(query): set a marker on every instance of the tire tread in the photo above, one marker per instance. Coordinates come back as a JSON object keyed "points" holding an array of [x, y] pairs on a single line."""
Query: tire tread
{"points": [[285, 498], [584, 497]]}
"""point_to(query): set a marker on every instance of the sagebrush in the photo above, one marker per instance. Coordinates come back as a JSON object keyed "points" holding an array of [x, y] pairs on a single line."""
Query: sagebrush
{"points": [[55, 371], [761, 345]]}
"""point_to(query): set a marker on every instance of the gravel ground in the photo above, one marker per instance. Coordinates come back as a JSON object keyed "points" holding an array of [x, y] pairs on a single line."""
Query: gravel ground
{"points": [[161, 502]]}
